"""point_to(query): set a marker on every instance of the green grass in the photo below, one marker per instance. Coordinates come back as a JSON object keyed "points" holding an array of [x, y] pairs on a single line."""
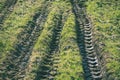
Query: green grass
{"points": [[104, 14]]}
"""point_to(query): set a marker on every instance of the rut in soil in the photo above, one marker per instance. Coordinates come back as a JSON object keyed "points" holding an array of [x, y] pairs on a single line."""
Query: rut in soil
{"points": [[90, 61], [6, 10]]}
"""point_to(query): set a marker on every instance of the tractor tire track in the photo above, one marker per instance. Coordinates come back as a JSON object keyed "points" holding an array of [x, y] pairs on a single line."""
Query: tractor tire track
{"points": [[90, 61], [14, 66], [48, 67], [6, 10]]}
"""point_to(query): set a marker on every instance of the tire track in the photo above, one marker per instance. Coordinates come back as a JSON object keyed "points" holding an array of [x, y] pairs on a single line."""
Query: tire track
{"points": [[70, 65], [48, 67], [6, 10], [14, 66], [91, 64]]}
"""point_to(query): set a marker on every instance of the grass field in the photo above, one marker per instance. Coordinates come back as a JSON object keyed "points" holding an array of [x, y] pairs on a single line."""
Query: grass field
{"points": [[42, 37]]}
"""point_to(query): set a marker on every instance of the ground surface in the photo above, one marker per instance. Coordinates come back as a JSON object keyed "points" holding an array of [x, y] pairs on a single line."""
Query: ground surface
{"points": [[59, 40]]}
